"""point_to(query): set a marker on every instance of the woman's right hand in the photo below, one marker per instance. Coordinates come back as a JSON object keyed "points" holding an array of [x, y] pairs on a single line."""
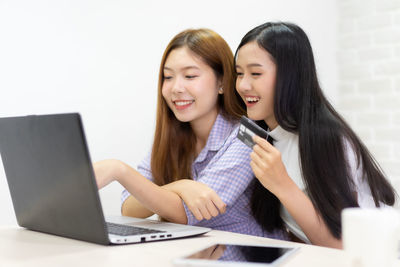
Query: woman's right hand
{"points": [[202, 201]]}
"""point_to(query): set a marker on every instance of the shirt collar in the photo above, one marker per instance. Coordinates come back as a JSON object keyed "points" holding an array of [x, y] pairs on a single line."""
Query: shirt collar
{"points": [[279, 133], [217, 137]]}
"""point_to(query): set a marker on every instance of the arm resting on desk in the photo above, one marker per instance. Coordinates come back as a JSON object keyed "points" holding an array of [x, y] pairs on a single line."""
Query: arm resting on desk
{"points": [[147, 198]]}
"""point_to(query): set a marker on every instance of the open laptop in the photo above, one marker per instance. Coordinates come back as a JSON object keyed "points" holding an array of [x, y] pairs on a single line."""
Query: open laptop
{"points": [[53, 187]]}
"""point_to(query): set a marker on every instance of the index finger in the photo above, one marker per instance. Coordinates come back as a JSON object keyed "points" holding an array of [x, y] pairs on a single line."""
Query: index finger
{"points": [[219, 203], [263, 143]]}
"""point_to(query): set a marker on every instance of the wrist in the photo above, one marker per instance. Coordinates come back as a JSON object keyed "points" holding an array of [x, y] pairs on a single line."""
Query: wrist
{"points": [[177, 186], [119, 170], [287, 189]]}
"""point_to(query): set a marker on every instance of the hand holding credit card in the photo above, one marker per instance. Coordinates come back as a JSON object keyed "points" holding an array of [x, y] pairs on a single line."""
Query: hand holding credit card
{"points": [[248, 129]]}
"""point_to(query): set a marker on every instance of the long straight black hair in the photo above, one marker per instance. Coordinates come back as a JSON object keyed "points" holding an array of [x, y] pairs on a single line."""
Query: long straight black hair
{"points": [[301, 107]]}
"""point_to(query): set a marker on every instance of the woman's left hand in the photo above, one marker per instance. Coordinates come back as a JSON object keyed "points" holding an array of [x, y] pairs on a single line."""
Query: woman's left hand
{"points": [[267, 165], [201, 200], [104, 171]]}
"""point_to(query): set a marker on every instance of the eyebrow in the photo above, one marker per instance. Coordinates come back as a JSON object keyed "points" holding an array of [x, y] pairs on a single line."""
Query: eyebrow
{"points": [[184, 68], [250, 65]]}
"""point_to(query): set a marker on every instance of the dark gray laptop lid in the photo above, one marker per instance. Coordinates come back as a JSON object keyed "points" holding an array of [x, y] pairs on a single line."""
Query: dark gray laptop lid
{"points": [[50, 176]]}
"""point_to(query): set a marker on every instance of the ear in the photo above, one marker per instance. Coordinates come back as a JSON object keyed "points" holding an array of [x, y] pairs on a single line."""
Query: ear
{"points": [[221, 89]]}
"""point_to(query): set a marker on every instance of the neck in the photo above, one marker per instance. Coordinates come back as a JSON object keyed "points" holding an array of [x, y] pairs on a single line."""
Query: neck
{"points": [[202, 128], [271, 122]]}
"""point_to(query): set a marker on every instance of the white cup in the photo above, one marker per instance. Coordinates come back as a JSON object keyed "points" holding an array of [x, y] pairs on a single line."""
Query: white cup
{"points": [[371, 236]]}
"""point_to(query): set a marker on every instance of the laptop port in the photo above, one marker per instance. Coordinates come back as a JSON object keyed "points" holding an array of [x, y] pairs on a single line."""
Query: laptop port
{"points": [[143, 239], [162, 236], [153, 236], [169, 235]]}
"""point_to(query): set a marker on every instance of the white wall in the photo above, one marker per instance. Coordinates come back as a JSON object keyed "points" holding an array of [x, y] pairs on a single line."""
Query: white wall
{"points": [[369, 76], [101, 58]]}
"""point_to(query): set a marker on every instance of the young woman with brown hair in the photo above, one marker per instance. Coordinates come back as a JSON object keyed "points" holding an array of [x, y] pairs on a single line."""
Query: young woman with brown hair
{"points": [[196, 156]]}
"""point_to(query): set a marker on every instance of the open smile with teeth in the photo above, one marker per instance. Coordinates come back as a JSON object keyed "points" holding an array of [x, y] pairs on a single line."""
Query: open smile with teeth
{"points": [[252, 99], [182, 104]]}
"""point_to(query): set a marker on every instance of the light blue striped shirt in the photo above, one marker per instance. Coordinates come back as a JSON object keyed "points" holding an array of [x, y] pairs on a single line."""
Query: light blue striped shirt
{"points": [[224, 166]]}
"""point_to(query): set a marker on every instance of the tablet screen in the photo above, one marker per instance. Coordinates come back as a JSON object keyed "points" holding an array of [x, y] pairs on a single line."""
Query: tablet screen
{"points": [[241, 253]]}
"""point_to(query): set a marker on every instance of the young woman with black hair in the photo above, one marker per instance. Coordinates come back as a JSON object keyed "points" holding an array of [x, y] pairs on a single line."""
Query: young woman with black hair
{"points": [[313, 164]]}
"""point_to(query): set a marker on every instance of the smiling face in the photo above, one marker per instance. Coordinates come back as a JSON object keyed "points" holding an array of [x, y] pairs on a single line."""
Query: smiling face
{"points": [[190, 87], [255, 83]]}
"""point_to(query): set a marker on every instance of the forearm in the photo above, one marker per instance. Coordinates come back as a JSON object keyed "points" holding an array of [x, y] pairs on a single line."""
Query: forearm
{"points": [[304, 213], [147, 195]]}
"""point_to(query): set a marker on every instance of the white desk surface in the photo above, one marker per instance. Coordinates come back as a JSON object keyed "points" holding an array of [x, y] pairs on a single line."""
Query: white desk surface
{"points": [[21, 247]]}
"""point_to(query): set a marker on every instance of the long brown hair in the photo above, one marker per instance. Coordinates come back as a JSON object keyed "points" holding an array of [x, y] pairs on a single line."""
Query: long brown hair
{"points": [[174, 141]]}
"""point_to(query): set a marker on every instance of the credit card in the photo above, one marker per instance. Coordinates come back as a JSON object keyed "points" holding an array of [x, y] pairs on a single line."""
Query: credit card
{"points": [[248, 129]]}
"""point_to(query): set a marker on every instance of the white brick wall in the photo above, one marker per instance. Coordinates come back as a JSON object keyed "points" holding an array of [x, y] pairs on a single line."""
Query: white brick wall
{"points": [[369, 77]]}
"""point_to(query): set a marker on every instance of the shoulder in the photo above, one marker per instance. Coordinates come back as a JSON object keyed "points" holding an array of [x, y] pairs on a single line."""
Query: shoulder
{"points": [[224, 135], [233, 147], [224, 126]]}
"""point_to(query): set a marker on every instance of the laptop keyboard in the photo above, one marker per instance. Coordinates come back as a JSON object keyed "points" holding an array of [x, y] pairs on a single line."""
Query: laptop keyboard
{"points": [[125, 230]]}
